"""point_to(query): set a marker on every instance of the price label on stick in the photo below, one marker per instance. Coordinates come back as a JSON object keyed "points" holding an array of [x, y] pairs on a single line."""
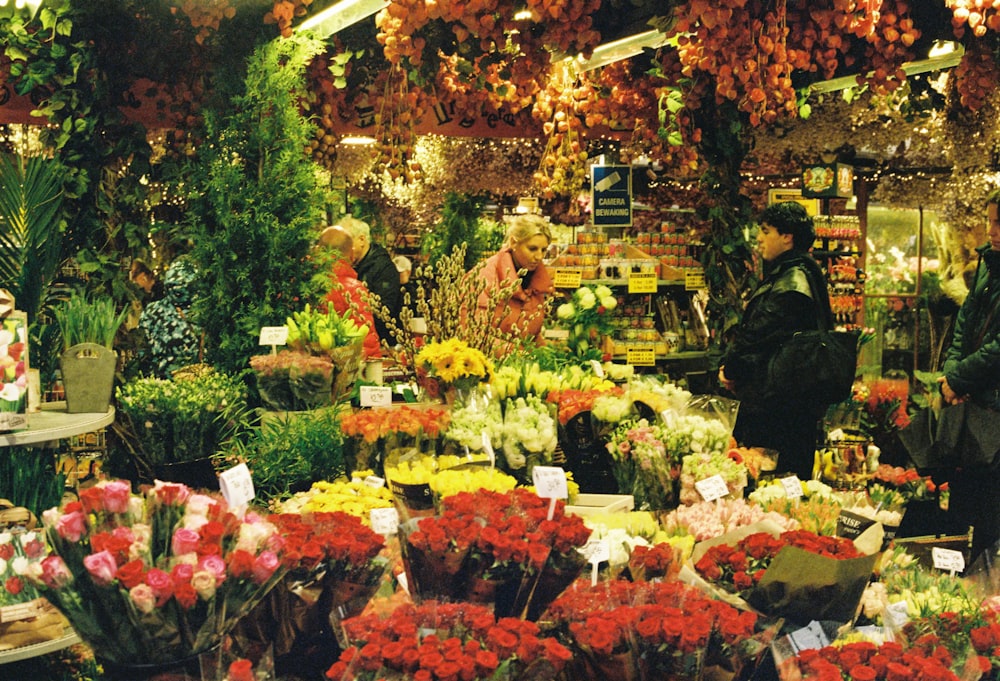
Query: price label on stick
{"points": [[273, 335], [374, 482], [385, 521], [792, 486], [550, 482], [948, 560], [712, 487], [236, 485], [376, 396]]}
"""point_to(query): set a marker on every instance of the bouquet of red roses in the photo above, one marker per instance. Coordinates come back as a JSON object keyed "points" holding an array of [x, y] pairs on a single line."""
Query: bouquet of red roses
{"points": [[796, 574], [155, 578], [438, 641], [642, 630], [334, 567], [865, 661]]}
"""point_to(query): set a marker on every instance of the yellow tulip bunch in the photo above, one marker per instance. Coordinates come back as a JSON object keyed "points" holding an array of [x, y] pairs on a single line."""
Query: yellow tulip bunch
{"points": [[354, 496]]}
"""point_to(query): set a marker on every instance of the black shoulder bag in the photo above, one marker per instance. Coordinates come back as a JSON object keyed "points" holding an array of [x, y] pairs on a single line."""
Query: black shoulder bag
{"points": [[818, 366]]}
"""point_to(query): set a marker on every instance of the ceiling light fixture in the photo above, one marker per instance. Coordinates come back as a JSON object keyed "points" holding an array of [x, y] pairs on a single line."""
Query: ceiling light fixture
{"points": [[340, 15], [617, 50]]}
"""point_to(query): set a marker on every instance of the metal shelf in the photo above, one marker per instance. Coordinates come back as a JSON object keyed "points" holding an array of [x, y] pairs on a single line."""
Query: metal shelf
{"points": [[54, 423], [36, 649]]}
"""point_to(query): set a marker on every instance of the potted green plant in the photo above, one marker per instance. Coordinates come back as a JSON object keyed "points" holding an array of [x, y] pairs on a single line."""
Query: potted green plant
{"points": [[176, 426], [88, 327]]}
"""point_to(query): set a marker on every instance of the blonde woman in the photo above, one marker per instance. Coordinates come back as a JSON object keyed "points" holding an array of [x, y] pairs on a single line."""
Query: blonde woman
{"points": [[520, 260]]}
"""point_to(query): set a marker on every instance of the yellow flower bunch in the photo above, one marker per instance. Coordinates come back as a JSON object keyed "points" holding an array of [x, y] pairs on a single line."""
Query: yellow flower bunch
{"points": [[422, 469], [453, 360], [447, 483], [520, 380], [353, 496]]}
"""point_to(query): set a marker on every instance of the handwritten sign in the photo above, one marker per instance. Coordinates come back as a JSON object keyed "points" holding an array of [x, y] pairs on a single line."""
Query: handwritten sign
{"points": [[642, 282], [273, 335], [236, 485], [711, 488], [385, 521], [948, 560], [792, 486], [375, 396], [550, 482]]}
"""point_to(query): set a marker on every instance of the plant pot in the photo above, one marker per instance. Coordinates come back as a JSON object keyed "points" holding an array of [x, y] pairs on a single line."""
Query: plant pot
{"points": [[88, 374], [196, 474]]}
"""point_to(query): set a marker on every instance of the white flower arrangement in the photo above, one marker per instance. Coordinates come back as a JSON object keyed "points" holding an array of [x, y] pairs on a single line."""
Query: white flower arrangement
{"points": [[528, 428]]}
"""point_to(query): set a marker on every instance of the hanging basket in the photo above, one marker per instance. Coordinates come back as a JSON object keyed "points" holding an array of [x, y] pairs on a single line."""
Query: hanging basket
{"points": [[88, 374]]}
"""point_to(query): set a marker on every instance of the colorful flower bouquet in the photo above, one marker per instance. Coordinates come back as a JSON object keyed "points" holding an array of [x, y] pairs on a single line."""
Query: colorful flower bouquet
{"points": [[798, 575], [817, 510], [377, 433], [707, 463], [453, 365], [446, 641], [709, 519], [155, 578], [333, 567], [25, 617], [865, 661], [642, 465], [653, 631]]}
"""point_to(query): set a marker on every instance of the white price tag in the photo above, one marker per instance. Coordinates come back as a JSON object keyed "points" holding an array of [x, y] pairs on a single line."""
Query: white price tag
{"points": [[550, 482], [376, 396], [811, 637], [385, 521], [488, 448], [712, 487], [948, 560], [598, 368], [236, 485], [596, 550], [896, 614], [273, 335], [792, 486], [374, 481]]}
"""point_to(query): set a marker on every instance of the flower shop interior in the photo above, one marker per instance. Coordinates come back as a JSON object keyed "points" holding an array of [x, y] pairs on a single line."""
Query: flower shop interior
{"points": [[213, 470]]}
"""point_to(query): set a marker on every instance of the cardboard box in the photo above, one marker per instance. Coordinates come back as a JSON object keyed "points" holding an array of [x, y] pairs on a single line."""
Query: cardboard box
{"points": [[587, 504]]}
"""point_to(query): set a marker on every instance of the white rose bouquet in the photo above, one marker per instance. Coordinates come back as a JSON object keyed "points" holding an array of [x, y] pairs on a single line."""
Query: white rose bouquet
{"points": [[529, 435], [587, 317]]}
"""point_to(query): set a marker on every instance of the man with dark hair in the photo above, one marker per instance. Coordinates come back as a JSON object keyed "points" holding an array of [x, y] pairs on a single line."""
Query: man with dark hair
{"points": [[792, 296], [972, 372]]}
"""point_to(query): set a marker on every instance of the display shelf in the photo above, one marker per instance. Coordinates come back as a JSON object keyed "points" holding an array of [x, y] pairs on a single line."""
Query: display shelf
{"points": [[44, 648], [54, 423]]}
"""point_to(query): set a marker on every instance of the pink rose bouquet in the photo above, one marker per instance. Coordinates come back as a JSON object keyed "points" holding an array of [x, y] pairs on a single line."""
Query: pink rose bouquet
{"points": [[155, 578]]}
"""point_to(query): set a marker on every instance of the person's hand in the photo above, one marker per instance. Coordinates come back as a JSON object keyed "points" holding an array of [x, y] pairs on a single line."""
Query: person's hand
{"points": [[725, 382], [949, 395]]}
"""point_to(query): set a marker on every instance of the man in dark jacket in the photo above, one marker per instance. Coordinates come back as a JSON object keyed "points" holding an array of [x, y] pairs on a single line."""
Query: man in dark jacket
{"points": [[378, 272], [791, 297], [972, 372]]}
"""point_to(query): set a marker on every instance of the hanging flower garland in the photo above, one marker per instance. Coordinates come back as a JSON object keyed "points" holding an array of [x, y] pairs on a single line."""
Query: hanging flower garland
{"points": [[205, 15]]}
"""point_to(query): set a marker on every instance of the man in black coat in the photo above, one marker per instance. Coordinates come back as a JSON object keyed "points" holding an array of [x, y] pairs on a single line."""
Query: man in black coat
{"points": [[972, 372], [791, 297], [379, 273]]}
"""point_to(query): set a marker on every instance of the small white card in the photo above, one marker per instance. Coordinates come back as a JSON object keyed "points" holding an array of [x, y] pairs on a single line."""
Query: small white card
{"points": [[374, 481], [712, 487], [550, 482], [273, 335], [236, 485], [597, 367], [948, 560], [488, 448], [385, 521], [376, 396], [596, 550], [811, 637], [792, 486]]}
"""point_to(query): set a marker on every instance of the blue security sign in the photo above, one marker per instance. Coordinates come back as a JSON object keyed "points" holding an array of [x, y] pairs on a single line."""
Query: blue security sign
{"points": [[611, 195]]}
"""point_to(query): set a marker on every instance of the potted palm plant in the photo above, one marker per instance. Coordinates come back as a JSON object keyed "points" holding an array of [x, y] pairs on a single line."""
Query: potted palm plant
{"points": [[88, 327]]}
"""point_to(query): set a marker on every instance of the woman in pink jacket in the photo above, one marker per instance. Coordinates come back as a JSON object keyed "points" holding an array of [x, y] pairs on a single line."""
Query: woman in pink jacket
{"points": [[520, 260]]}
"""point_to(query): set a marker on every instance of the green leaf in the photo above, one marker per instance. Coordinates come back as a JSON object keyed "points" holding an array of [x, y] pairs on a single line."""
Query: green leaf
{"points": [[340, 83], [675, 139], [805, 111]]}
